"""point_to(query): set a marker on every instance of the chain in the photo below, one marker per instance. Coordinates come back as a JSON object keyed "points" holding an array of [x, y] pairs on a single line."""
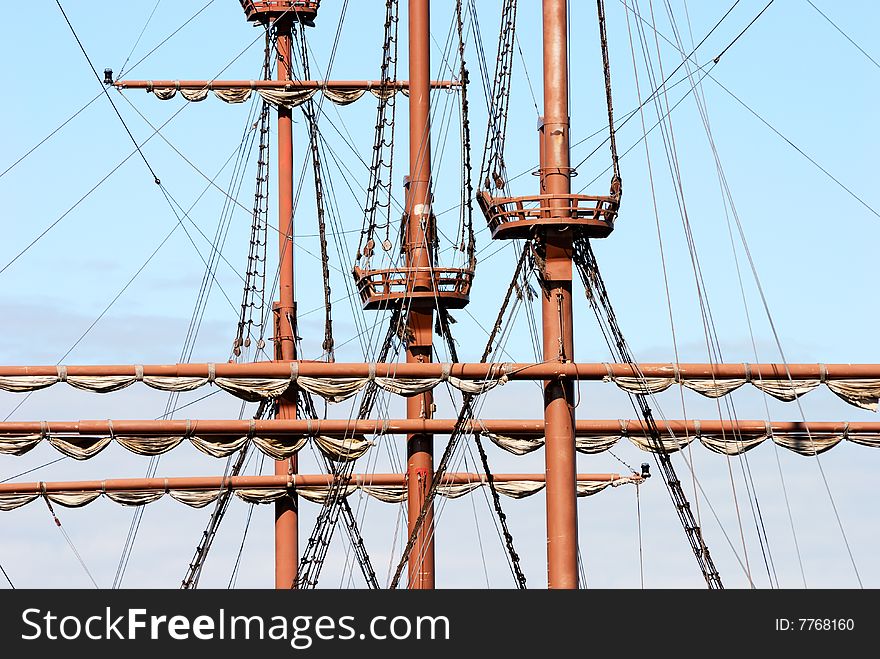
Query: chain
{"points": [[597, 294], [493, 171]]}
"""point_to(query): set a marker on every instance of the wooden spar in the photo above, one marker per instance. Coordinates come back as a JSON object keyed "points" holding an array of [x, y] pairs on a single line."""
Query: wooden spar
{"points": [[471, 370], [347, 427], [256, 482], [276, 85]]}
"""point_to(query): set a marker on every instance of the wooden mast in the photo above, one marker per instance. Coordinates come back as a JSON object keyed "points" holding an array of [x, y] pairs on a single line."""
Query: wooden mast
{"points": [[286, 514], [556, 310], [418, 252]]}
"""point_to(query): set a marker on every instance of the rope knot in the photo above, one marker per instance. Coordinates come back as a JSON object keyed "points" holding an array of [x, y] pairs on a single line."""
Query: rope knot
{"points": [[445, 371]]}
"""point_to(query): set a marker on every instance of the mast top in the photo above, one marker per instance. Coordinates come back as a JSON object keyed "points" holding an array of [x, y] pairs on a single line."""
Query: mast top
{"points": [[268, 11]]}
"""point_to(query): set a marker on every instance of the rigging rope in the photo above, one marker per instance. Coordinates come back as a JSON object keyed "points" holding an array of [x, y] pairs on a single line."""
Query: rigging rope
{"points": [[466, 414], [119, 294], [51, 134], [594, 286], [140, 36], [381, 165], [467, 187], [337, 234], [752, 264], [33, 469], [711, 338], [100, 81], [131, 154], [453, 353], [846, 36], [101, 93], [233, 577], [312, 560], [745, 468], [493, 172], [481, 53], [313, 557], [194, 571], [669, 143], [349, 519], [6, 576], [208, 279], [311, 114], [254, 294], [166, 39], [616, 182], [663, 85], [67, 539]]}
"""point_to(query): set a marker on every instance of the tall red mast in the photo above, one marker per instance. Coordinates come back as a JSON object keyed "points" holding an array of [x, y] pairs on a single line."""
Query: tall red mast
{"points": [[556, 312], [419, 259], [286, 515]]}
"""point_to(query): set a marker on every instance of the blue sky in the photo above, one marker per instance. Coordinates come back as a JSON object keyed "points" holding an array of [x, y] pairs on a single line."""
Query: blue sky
{"points": [[812, 244]]}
